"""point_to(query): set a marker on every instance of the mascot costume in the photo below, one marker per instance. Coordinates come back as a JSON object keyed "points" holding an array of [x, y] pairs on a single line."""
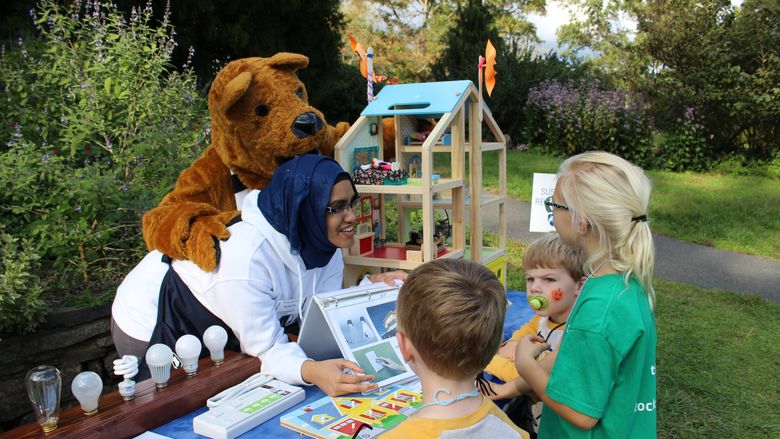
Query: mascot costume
{"points": [[260, 118]]}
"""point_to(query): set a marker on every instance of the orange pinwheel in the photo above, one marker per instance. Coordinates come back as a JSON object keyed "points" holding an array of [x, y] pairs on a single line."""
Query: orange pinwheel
{"points": [[358, 49], [361, 53], [490, 69]]}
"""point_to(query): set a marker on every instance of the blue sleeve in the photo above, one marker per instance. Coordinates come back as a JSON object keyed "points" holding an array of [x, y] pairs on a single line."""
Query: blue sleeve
{"points": [[584, 372]]}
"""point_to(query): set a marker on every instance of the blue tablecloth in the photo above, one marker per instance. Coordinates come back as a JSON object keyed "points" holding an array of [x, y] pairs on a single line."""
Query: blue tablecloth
{"points": [[517, 314]]}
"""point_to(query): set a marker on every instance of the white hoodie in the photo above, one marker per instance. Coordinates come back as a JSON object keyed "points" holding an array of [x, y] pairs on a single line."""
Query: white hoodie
{"points": [[258, 281]]}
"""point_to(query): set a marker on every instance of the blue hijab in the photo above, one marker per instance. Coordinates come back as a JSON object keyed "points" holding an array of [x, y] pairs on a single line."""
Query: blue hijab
{"points": [[295, 201]]}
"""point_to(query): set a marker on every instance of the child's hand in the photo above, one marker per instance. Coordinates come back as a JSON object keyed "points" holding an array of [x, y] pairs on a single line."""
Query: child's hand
{"points": [[528, 348], [508, 350], [392, 278], [502, 391]]}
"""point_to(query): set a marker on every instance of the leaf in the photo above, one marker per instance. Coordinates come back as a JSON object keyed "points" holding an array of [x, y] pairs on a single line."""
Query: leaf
{"points": [[107, 85]]}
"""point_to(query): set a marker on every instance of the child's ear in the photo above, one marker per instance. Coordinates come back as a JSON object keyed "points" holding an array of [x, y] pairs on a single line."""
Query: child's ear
{"points": [[404, 344], [580, 284], [583, 226]]}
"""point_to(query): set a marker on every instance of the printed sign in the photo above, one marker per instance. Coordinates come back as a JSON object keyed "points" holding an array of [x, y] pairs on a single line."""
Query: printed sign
{"points": [[541, 220]]}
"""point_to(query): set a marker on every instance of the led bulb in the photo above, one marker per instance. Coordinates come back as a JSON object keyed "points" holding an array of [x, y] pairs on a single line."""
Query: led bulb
{"points": [[127, 367], [86, 387], [215, 338], [43, 387], [188, 349], [159, 358]]}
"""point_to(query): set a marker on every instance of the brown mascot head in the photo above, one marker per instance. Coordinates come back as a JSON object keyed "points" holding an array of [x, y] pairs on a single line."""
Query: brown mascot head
{"points": [[261, 117]]}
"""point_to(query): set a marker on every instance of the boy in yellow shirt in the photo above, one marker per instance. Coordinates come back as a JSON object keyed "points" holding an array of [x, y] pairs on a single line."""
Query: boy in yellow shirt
{"points": [[450, 314], [554, 275]]}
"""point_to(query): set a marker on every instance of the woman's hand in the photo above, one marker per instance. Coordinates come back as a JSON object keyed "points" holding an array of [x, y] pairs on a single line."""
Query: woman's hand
{"points": [[528, 348], [389, 277], [330, 376], [507, 350]]}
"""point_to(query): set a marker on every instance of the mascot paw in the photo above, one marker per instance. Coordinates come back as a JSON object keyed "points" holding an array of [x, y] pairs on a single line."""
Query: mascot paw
{"points": [[203, 244]]}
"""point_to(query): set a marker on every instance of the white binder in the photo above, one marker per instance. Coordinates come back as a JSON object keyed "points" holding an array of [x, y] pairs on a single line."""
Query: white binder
{"points": [[358, 324]]}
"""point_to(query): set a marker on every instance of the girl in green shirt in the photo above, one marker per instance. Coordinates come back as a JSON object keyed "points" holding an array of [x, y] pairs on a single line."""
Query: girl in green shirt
{"points": [[603, 381]]}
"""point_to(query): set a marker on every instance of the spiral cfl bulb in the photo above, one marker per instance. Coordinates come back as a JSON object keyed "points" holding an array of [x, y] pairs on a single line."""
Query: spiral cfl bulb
{"points": [[538, 302], [188, 349], [215, 338], [127, 367], [86, 387]]}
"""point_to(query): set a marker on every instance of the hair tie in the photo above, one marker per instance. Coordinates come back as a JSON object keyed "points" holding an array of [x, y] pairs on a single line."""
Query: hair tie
{"points": [[640, 219]]}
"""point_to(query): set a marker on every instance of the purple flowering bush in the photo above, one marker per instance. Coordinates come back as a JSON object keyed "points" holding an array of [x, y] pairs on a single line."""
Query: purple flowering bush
{"points": [[566, 119], [96, 127]]}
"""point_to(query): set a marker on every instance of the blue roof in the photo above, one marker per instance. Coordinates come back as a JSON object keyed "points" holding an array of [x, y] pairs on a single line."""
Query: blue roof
{"points": [[429, 98]]}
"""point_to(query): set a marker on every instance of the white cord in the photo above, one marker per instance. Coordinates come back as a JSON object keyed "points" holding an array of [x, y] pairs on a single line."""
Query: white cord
{"points": [[249, 384]]}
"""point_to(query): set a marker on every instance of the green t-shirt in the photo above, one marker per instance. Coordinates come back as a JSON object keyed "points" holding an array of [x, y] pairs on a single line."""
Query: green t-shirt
{"points": [[606, 363]]}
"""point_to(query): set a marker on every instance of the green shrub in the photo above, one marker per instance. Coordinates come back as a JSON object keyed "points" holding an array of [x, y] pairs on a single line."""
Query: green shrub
{"points": [[99, 126], [21, 307], [685, 147]]}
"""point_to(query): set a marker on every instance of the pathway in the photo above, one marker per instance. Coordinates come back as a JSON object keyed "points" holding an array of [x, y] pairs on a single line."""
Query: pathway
{"points": [[676, 260]]}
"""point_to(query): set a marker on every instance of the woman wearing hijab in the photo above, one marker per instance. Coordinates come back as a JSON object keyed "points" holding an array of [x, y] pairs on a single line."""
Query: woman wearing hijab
{"points": [[285, 248]]}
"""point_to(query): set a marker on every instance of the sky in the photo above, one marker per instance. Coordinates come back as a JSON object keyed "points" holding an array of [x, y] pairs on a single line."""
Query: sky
{"points": [[546, 25], [557, 14]]}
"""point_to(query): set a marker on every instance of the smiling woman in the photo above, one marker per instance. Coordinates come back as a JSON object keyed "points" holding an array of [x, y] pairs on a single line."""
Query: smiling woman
{"points": [[285, 248]]}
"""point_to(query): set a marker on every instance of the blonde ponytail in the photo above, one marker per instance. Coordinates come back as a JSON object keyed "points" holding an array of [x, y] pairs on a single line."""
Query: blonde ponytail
{"points": [[612, 195]]}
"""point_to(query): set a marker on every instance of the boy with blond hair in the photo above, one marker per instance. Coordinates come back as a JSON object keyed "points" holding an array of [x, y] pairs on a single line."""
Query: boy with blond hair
{"points": [[554, 274], [450, 316]]}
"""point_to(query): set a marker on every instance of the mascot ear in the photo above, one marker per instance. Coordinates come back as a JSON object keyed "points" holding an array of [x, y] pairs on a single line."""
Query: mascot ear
{"points": [[234, 90], [286, 59]]}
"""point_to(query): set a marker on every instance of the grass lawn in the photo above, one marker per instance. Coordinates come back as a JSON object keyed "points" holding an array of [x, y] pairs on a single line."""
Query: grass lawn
{"points": [[718, 359], [731, 212]]}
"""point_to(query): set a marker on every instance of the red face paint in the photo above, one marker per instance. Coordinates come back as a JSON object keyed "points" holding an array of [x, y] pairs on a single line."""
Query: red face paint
{"points": [[557, 294]]}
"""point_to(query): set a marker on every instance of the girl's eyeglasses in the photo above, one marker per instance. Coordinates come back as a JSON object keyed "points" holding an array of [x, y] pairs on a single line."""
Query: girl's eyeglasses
{"points": [[341, 207], [549, 205]]}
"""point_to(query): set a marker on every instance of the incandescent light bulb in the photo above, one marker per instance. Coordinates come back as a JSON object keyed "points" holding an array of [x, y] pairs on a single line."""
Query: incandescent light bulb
{"points": [[215, 338], [43, 387], [188, 349], [86, 387]]}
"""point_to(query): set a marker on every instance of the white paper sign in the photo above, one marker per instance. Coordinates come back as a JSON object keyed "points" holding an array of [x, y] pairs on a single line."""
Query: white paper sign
{"points": [[541, 220]]}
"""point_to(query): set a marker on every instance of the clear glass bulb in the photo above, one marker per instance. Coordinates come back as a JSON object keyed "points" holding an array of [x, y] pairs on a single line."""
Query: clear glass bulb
{"points": [[188, 349], [159, 358], [86, 387], [215, 338], [43, 387]]}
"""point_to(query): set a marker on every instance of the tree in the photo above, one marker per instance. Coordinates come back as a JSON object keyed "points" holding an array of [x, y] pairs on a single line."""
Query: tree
{"points": [[220, 31], [410, 35], [700, 57]]}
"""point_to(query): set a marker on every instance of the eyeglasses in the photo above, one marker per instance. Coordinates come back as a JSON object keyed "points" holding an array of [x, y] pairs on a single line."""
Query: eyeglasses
{"points": [[341, 207], [549, 205]]}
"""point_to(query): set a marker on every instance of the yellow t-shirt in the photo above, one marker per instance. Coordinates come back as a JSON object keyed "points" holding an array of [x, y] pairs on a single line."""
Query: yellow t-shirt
{"points": [[504, 368], [487, 421]]}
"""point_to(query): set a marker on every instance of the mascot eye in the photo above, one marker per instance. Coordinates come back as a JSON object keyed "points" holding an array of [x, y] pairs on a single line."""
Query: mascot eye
{"points": [[299, 92], [261, 110]]}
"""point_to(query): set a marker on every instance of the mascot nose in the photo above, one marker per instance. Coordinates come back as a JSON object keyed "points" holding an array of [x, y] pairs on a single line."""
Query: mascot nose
{"points": [[306, 125]]}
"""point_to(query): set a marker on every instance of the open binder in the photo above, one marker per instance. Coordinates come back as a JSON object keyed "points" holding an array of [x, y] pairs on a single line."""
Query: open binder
{"points": [[358, 324]]}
